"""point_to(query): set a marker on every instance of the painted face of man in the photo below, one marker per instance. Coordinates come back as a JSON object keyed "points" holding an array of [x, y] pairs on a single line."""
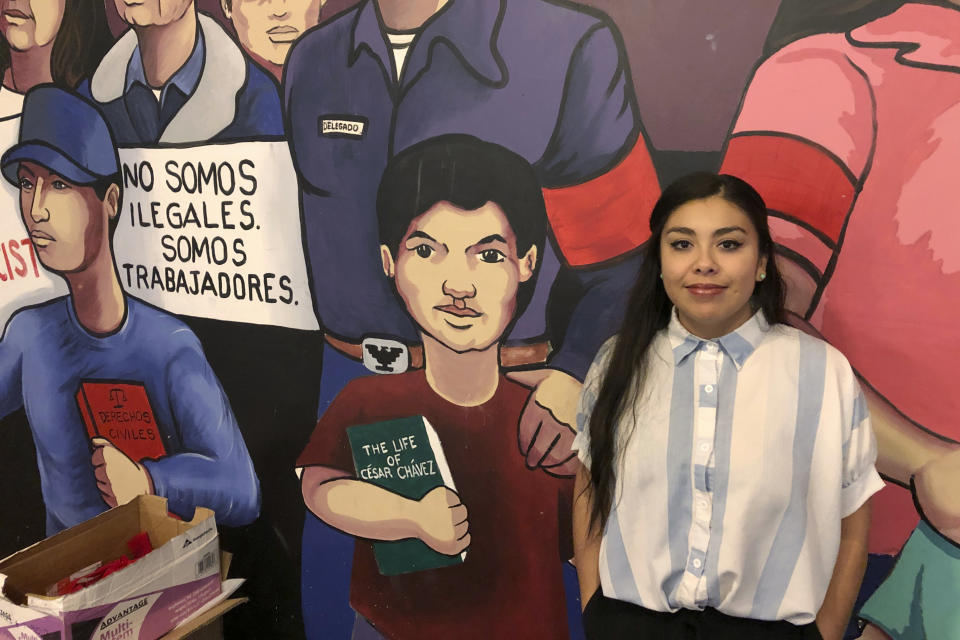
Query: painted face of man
{"points": [[458, 273], [267, 28], [710, 262], [148, 13], [30, 23], [67, 223]]}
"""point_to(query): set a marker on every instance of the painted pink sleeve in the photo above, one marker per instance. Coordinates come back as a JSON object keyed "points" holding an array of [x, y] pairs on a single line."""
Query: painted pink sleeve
{"points": [[803, 138], [811, 90]]}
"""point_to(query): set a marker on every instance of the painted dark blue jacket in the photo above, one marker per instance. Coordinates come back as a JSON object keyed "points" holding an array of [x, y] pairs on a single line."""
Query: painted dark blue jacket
{"points": [[548, 80], [232, 99]]}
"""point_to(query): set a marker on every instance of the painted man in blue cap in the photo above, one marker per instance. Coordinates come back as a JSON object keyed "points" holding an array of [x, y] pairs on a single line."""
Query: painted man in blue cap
{"points": [[101, 374]]}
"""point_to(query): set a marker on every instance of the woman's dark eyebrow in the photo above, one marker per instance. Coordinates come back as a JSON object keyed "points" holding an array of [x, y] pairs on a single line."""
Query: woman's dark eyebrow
{"points": [[24, 167], [687, 231], [726, 230]]}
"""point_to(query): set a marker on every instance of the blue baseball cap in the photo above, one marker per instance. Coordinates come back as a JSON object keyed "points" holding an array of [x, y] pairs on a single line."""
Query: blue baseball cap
{"points": [[64, 133]]}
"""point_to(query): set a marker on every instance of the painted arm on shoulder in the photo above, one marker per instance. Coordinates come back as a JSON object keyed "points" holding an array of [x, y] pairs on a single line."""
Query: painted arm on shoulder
{"points": [[600, 186], [365, 510]]}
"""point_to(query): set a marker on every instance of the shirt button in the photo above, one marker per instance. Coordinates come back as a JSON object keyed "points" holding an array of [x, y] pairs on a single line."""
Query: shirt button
{"points": [[708, 388], [704, 446], [702, 504], [697, 563]]}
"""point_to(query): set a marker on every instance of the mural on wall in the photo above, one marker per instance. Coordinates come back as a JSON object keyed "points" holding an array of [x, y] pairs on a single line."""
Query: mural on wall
{"points": [[471, 69], [51, 42], [267, 29], [367, 376], [462, 226], [97, 370]]}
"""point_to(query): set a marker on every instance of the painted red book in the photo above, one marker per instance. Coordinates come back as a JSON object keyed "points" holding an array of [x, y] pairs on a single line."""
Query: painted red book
{"points": [[121, 413]]}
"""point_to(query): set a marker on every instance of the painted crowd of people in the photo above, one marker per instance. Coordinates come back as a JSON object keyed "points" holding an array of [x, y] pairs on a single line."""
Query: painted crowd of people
{"points": [[665, 411]]}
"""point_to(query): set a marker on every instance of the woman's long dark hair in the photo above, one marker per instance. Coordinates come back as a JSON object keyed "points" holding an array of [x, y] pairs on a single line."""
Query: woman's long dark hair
{"points": [[648, 312], [82, 41]]}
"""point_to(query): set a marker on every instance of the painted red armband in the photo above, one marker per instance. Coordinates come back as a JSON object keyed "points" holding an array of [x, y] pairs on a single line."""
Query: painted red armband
{"points": [[608, 215], [796, 178]]}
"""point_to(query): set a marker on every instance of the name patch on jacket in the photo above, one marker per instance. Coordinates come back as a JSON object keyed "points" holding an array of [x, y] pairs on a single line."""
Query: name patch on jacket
{"points": [[341, 126]]}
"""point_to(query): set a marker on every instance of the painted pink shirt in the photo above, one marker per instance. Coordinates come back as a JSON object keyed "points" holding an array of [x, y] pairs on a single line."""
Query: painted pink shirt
{"points": [[854, 141]]}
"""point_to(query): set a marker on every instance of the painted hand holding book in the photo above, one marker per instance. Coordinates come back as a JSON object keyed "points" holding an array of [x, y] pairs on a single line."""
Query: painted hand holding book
{"points": [[121, 413], [403, 456]]}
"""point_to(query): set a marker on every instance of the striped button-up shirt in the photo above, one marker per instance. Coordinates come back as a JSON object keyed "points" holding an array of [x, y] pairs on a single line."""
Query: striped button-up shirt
{"points": [[736, 466]]}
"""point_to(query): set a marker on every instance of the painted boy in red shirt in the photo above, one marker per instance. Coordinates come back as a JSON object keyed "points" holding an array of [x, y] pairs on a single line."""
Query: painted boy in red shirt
{"points": [[462, 226]]}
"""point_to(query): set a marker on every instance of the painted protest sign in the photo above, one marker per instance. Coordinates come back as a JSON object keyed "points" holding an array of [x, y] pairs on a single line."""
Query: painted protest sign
{"points": [[214, 231]]}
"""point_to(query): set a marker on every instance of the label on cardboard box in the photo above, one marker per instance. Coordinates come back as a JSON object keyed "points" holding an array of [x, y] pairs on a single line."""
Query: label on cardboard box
{"points": [[25, 624], [143, 617], [153, 615], [125, 619], [23, 633]]}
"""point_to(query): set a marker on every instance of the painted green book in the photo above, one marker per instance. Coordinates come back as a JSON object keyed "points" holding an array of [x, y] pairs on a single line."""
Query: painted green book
{"points": [[403, 456]]}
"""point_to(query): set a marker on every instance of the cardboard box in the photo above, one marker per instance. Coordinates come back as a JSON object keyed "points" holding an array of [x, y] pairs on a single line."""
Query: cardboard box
{"points": [[140, 602]]}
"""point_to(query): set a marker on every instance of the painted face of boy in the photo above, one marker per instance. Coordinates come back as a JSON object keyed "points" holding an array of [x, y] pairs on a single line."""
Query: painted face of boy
{"points": [[267, 28], [147, 13], [26, 24], [458, 273], [67, 223]]}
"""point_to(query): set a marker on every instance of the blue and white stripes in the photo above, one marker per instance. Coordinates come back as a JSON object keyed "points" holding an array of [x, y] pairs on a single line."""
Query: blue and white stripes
{"points": [[747, 452]]}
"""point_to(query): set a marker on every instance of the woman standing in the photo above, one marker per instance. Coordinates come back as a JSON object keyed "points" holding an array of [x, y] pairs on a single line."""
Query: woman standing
{"points": [[728, 458]]}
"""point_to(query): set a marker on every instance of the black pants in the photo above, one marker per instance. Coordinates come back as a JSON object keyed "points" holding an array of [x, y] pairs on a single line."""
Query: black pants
{"points": [[609, 619]]}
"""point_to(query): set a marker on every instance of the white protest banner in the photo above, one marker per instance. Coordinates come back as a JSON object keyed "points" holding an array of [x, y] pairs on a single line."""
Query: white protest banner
{"points": [[214, 231], [23, 280]]}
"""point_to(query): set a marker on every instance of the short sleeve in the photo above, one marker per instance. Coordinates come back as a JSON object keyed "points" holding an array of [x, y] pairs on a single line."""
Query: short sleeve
{"points": [[328, 445], [860, 477], [588, 399]]}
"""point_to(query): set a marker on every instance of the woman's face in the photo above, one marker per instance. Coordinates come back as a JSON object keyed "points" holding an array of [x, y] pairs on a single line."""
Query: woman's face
{"points": [[30, 23], [710, 262]]}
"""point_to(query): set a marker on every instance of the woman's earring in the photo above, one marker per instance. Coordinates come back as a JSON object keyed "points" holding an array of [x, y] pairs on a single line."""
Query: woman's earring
{"points": [[762, 276]]}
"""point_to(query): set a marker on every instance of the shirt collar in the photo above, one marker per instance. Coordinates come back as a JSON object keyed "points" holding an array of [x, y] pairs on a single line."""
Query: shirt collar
{"points": [[926, 35], [470, 27], [738, 344], [186, 77]]}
